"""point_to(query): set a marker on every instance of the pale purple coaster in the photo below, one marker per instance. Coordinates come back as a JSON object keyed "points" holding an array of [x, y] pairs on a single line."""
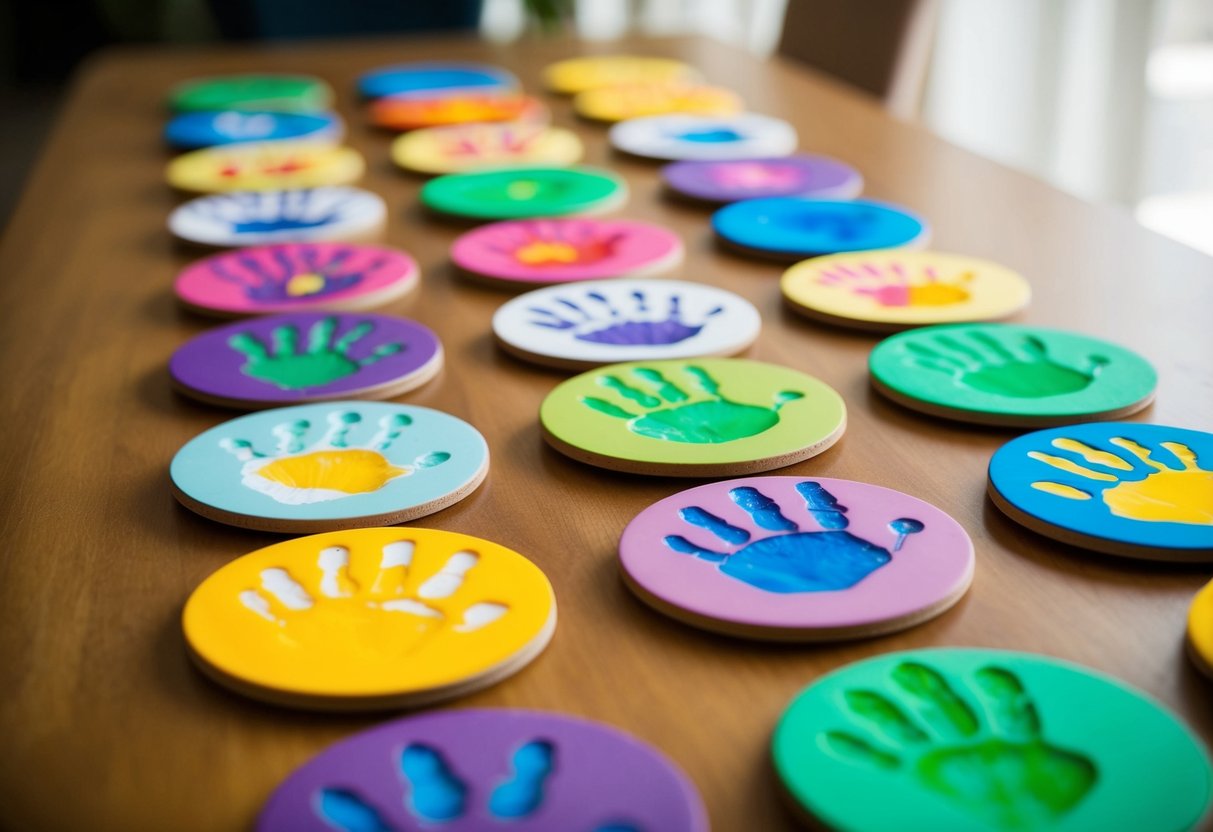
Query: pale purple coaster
{"points": [[818, 177]]}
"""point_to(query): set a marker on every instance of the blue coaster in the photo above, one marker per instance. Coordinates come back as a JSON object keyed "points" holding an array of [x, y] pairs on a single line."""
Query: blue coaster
{"points": [[791, 228], [207, 129], [432, 77]]}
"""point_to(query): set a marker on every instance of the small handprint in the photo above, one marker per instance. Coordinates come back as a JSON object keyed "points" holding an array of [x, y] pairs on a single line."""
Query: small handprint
{"points": [[890, 284], [790, 560], [475, 141], [555, 243], [265, 212], [845, 225], [671, 415], [710, 135], [598, 321], [322, 362], [285, 273], [753, 175], [1004, 774], [330, 469]]}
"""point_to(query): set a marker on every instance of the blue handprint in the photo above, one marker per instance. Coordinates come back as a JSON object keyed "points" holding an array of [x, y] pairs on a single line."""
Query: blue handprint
{"points": [[598, 321], [791, 560], [259, 213]]}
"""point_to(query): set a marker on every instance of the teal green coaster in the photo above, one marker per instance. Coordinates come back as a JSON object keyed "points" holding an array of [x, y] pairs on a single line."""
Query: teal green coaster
{"points": [[1017, 376], [274, 93], [520, 193], [989, 740]]}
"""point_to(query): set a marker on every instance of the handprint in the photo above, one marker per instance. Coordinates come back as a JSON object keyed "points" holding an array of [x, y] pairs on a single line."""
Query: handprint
{"points": [[555, 243], [596, 320], [753, 175], [284, 273], [890, 284], [322, 362], [708, 135], [265, 212]]}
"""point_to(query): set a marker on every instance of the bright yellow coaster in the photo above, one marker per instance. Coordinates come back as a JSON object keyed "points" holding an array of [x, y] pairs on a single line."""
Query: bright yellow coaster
{"points": [[370, 618], [578, 74], [1200, 629], [898, 289], [624, 101], [466, 147], [265, 166]]}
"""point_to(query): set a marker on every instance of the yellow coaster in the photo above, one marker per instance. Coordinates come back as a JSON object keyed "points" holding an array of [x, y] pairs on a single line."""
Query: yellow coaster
{"points": [[1200, 630], [370, 618], [898, 289], [466, 147], [624, 101], [578, 74], [265, 166]]}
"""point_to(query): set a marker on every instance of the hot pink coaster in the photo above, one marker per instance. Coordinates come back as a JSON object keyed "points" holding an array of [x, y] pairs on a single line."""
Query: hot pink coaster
{"points": [[547, 251], [796, 558]]}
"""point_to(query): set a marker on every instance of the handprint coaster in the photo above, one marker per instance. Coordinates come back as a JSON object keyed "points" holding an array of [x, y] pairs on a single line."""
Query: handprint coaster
{"points": [[467, 147], [432, 77], [803, 175], [250, 218], [189, 131], [296, 277], [607, 321], [692, 418], [519, 193], [1200, 630], [579, 74], [306, 357], [523, 254], [1121, 488], [476, 106], [782, 228], [887, 291], [338, 465], [971, 740], [264, 166], [796, 558], [683, 136], [370, 619], [478, 770], [636, 100], [1000, 374], [273, 93]]}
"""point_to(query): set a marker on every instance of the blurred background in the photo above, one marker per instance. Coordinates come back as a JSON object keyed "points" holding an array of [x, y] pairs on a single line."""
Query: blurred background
{"points": [[1111, 100]]}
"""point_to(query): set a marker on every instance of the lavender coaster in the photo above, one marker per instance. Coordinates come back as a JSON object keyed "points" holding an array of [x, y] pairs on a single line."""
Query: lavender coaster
{"points": [[818, 177]]}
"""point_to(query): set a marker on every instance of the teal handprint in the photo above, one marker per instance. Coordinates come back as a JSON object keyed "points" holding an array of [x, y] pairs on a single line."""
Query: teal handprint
{"points": [[322, 362]]}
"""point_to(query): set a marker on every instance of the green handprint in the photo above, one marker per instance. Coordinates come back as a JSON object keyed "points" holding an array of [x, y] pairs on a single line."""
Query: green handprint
{"points": [[712, 421], [1011, 780], [985, 363], [322, 363]]}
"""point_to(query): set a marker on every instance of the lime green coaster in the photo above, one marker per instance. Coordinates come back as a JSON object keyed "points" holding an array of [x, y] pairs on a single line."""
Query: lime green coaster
{"points": [[703, 417], [275, 93], [986, 740], [520, 193]]}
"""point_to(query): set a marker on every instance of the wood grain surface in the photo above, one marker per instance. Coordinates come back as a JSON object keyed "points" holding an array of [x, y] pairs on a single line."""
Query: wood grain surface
{"points": [[106, 724]]}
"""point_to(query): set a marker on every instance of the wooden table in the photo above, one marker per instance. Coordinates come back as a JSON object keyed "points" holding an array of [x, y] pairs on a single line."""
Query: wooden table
{"points": [[106, 725]]}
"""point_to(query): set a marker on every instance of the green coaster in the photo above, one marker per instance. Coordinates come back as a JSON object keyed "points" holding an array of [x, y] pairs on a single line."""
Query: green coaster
{"points": [[275, 93], [1018, 376], [520, 193], [986, 740]]}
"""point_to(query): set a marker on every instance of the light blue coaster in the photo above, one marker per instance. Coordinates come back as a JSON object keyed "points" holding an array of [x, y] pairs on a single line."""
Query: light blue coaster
{"points": [[790, 228]]}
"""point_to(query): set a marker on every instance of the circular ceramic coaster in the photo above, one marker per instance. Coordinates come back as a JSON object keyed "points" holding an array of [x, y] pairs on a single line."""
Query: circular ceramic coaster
{"points": [[886, 291], [816, 177], [466, 147], [472, 107], [1200, 630], [680, 136], [264, 166], [274, 93], [296, 277], [306, 357], [433, 77], [517, 193], [370, 619], [1117, 487], [986, 740], [700, 418], [608, 321], [207, 129], [476, 770], [529, 253], [249, 218], [796, 559], [578, 74], [624, 101], [338, 465], [792, 229], [1001, 374]]}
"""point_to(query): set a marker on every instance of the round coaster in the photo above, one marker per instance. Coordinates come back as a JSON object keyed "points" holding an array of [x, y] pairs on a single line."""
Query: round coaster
{"points": [[274, 93], [471, 107], [792, 229], [466, 147], [887, 291], [264, 166], [528, 253], [578, 74], [250, 218], [815, 177], [796, 559], [971, 740], [337, 465], [306, 357], [701, 418], [188, 131], [1001, 374], [432, 77], [517, 193], [475, 770], [1117, 487], [370, 619], [296, 277], [624, 101], [682, 136], [1200, 630]]}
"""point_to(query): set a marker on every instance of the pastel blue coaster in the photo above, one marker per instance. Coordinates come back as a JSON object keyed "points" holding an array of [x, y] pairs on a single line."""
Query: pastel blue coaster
{"points": [[435, 76], [210, 128], [797, 228]]}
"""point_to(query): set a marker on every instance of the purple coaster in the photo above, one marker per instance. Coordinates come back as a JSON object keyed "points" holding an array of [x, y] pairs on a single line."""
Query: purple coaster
{"points": [[483, 769], [307, 356], [729, 181]]}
